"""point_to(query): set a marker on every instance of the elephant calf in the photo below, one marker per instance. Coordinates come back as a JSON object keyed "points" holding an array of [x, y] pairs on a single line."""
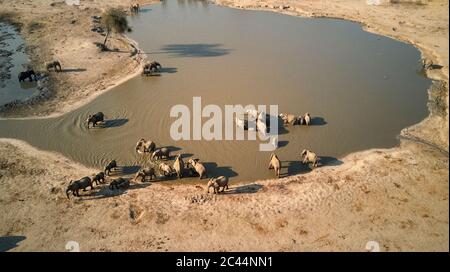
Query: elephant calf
{"points": [[75, 186], [112, 165], [275, 163], [217, 183], [161, 153], [199, 168], [99, 178], [309, 157], [144, 173], [119, 183]]}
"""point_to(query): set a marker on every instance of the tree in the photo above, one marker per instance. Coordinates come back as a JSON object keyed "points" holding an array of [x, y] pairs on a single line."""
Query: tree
{"points": [[115, 20]]}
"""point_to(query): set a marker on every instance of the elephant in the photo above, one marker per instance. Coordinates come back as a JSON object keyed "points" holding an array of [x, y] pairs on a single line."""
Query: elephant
{"points": [[119, 183], [144, 173], [217, 183], [191, 170], [30, 74], [307, 119], [54, 64], [275, 163], [166, 169], [149, 68], [99, 178], [112, 165], [309, 157], [75, 186], [161, 153], [199, 168], [134, 8], [148, 146], [94, 119], [178, 165], [289, 119]]}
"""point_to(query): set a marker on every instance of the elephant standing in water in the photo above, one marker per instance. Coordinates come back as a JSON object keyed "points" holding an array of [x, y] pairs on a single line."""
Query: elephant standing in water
{"points": [[178, 165], [99, 117], [144, 146], [29, 74], [275, 163], [135, 8], [198, 167], [144, 173], [161, 153], [309, 157], [289, 119], [149, 68]]}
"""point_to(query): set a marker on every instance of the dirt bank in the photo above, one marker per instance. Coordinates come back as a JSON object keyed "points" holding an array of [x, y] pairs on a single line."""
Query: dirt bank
{"points": [[397, 197]]}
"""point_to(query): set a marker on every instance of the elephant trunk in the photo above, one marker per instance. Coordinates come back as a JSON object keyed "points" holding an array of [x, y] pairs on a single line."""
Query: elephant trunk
{"points": [[67, 193]]}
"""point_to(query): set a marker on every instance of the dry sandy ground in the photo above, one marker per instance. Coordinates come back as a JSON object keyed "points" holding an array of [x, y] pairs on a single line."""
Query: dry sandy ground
{"points": [[397, 197]]}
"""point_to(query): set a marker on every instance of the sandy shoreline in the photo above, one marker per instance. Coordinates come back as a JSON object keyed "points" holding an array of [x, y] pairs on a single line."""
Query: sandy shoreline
{"points": [[382, 193]]}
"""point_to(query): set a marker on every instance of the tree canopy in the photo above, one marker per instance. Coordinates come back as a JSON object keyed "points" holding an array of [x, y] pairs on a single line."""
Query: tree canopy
{"points": [[114, 20]]}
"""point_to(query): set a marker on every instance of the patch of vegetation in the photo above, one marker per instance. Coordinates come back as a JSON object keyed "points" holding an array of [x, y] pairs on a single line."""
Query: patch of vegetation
{"points": [[114, 20], [437, 101], [33, 26]]}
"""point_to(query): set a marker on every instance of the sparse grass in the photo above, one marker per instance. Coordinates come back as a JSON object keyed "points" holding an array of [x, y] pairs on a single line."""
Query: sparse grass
{"points": [[34, 26], [437, 99]]}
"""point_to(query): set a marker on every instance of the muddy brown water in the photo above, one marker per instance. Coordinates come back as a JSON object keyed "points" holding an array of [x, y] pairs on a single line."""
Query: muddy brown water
{"points": [[361, 89], [13, 60]]}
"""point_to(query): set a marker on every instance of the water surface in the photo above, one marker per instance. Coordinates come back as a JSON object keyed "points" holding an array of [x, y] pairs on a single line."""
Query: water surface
{"points": [[13, 60], [361, 88]]}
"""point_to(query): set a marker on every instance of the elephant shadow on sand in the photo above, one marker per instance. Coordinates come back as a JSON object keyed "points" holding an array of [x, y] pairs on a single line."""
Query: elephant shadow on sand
{"points": [[125, 170], [103, 191], [243, 189]]}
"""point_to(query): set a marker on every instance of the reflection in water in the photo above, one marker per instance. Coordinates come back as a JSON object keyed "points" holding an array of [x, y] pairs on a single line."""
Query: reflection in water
{"points": [[361, 90], [195, 50]]}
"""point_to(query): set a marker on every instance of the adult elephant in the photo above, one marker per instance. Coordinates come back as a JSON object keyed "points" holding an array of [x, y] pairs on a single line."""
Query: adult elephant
{"points": [[99, 117], [144, 146], [30, 74]]}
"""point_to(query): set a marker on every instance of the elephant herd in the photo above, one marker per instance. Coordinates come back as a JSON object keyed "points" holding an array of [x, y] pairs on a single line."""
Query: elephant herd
{"points": [[159, 158]]}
